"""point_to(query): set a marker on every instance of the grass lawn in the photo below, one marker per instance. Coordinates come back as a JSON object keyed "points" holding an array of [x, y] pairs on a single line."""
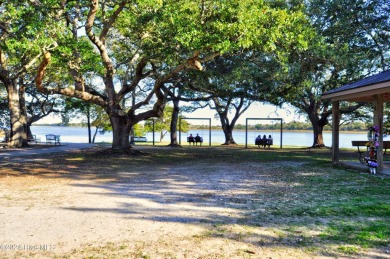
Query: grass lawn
{"points": [[244, 203]]}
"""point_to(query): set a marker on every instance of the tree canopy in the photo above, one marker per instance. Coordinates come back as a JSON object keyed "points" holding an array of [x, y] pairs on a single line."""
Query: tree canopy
{"points": [[351, 43], [143, 45], [129, 57]]}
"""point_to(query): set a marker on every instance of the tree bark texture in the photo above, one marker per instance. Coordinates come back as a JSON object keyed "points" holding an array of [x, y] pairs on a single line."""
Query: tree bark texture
{"points": [[227, 129], [173, 126], [229, 140], [18, 120], [121, 133]]}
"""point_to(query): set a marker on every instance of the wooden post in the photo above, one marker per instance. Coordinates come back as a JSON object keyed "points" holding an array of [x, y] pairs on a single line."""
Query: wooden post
{"points": [[378, 121], [335, 131]]}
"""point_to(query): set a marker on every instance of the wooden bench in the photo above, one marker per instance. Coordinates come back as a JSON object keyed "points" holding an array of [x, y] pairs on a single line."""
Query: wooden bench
{"points": [[363, 143], [51, 138], [139, 139], [195, 140], [33, 138], [358, 144]]}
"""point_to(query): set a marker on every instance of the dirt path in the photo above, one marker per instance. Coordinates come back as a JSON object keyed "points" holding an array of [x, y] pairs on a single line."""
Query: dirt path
{"points": [[189, 210]]}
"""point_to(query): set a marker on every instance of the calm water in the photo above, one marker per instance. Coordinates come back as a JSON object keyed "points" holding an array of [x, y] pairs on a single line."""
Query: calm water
{"points": [[80, 135]]}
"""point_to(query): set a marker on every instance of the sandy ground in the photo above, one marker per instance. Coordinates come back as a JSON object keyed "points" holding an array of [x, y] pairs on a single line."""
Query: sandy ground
{"points": [[166, 212]]}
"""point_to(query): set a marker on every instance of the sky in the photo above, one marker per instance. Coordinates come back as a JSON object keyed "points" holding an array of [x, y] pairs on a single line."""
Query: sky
{"points": [[257, 110]]}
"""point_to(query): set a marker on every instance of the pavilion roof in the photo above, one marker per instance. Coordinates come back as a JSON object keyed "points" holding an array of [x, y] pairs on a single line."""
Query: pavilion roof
{"points": [[362, 90]]}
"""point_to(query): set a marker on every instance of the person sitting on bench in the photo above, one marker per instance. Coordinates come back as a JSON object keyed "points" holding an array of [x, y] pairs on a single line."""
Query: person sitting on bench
{"points": [[191, 139], [258, 141], [270, 141], [198, 139], [264, 141]]}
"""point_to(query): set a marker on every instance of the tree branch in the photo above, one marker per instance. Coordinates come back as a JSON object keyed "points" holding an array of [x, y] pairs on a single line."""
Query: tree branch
{"points": [[108, 24], [138, 77], [68, 92]]}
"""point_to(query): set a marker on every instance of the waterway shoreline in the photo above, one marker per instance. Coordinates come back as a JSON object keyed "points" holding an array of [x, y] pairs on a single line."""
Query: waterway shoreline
{"points": [[287, 138]]}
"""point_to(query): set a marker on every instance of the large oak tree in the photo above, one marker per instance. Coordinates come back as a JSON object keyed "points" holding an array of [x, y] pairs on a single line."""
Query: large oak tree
{"points": [[21, 40], [352, 43], [150, 42]]}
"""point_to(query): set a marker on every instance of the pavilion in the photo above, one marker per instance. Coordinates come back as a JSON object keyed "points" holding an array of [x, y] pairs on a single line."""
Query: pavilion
{"points": [[374, 89]]}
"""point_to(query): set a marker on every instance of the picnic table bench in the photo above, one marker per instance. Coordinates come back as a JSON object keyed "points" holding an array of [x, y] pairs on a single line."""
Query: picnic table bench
{"points": [[363, 143], [51, 138]]}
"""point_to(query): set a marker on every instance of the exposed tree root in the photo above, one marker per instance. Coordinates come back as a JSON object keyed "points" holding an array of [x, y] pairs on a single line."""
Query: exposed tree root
{"points": [[319, 146], [174, 145], [123, 152], [229, 143]]}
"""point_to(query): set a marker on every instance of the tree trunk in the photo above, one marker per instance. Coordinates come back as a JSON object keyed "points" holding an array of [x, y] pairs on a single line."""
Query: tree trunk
{"points": [[318, 140], [318, 126], [18, 121], [223, 110], [94, 134], [89, 123], [23, 112], [173, 126], [121, 132], [321, 124], [161, 135], [28, 127], [227, 128], [228, 131]]}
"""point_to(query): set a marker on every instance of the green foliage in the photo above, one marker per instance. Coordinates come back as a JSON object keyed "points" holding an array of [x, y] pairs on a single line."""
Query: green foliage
{"points": [[351, 42], [139, 130], [162, 124], [184, 126], [100, 118], [76, 108], [25, 32], [280, 51], [177, 27]]}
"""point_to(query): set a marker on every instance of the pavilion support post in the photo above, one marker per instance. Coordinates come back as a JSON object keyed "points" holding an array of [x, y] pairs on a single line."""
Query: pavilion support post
{"points": [[378, 121], [335, 132]]}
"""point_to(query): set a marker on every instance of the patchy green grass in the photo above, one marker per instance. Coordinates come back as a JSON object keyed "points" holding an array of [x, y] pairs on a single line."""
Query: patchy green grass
{"points": [[304, 201], [345, 208], [364, 233]]}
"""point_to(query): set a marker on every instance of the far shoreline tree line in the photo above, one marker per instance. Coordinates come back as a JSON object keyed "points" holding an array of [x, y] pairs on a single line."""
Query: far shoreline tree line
{"points": [[288, 126]]}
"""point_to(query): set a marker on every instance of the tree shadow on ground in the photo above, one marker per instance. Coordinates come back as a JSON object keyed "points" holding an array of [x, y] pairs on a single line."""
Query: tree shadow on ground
{"points": [[276, 199]]}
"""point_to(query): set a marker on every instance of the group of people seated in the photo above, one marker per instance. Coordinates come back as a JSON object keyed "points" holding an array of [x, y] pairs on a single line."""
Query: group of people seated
{"points": [[264, 141], [194, 140]]}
